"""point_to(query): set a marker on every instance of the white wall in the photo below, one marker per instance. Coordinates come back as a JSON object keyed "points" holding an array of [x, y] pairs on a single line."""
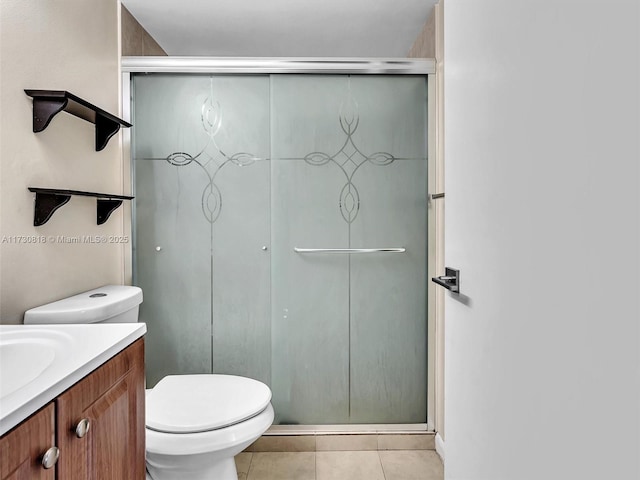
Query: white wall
{"points": [[542, 218], [67, 45]]}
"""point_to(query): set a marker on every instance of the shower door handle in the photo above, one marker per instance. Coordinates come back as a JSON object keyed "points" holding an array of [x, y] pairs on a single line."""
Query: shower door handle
{"points": [[351, 250]]}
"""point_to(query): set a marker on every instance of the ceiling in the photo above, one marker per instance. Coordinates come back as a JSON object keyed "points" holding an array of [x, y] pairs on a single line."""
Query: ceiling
{"points": [[283, 28]]}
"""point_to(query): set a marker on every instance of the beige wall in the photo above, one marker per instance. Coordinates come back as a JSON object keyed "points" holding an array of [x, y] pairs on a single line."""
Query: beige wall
{"points": [[425, 44], [136, 41], [59, 45]]}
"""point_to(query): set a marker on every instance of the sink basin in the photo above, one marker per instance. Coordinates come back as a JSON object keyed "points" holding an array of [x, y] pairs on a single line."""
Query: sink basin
{"points": [[31, 358], [25, 355]]}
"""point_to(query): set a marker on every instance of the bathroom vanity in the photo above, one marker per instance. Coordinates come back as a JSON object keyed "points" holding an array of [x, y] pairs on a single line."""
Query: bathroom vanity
{"points": [[89, 418]]}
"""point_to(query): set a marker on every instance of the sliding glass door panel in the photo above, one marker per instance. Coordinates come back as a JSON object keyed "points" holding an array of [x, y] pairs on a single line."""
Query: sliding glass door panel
{"points": [[201, 156], [355, 150]]}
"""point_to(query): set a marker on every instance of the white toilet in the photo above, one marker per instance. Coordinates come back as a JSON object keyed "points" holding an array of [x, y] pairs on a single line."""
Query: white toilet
{"points": [[196, 424]]}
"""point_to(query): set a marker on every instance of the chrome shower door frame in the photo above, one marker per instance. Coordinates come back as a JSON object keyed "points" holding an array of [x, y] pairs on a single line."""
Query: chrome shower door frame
{"points": [[327, 66]]}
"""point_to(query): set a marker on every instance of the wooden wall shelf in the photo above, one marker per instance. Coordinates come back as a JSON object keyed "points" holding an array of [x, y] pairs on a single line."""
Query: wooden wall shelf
{"points": [[48, 103], [48, 200]]}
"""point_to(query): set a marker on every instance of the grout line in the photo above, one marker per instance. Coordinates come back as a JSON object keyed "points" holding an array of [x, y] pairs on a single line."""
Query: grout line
{"points": [[250, 462], [384, 474]]}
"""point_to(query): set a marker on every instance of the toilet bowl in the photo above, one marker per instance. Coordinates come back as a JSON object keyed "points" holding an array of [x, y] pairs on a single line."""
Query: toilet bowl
{"points": [[163, 462], [195, 424]]}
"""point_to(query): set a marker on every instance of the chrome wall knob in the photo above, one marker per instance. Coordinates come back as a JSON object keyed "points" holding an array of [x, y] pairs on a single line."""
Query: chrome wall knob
{"points": [[83, 427], [50, 457]]}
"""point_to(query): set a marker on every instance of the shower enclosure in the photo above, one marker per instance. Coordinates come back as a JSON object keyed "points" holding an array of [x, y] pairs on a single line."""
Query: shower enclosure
{"points": [[280, 233]]}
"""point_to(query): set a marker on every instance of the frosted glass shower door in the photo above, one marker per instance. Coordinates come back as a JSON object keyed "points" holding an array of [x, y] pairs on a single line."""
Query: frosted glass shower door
{"points": [[232, 174], [349, 170], [202, 223]]}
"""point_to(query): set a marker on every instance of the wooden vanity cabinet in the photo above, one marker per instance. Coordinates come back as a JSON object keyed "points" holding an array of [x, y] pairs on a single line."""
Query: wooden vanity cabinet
{"points": [[98, 426], [21, 449], [111, 399]]}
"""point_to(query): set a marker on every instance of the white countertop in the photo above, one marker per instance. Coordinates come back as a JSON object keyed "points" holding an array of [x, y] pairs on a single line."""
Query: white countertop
{"points": [[74, 350]]}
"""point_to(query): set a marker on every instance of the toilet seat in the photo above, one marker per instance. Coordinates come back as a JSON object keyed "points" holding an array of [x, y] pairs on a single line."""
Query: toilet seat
{"points": [[243, 433], [184, 404]]}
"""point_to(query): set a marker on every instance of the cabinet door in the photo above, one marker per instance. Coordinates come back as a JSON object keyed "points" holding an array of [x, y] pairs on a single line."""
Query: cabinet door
{"points": [[21, 449], [111, 399]]}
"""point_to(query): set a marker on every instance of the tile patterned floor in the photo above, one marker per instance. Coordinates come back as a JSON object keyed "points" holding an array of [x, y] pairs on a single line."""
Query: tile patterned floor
{"points": [[340, 465]]}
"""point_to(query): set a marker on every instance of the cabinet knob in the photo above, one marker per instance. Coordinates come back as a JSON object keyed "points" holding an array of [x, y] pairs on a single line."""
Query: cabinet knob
{"points": [[83, 427], [50, 457]]}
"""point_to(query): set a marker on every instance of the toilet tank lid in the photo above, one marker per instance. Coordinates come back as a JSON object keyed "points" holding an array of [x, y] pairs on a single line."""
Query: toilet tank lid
{"points": [[94, 306], [201, 403]]}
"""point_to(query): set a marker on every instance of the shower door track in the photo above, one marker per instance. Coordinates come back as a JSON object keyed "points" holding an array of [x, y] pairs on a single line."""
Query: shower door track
{"points": [[358, 429], [290, 65], [251, 65]]}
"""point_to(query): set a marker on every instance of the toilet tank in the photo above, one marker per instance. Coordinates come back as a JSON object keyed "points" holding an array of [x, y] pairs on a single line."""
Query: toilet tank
{"points": [[108, 304]]}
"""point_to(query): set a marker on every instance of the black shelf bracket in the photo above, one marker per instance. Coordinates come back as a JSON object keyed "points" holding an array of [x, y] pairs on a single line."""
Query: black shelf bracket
{"points": [[105, 207], [48, 103], [48, 200], [450, 280], [46, 204]]}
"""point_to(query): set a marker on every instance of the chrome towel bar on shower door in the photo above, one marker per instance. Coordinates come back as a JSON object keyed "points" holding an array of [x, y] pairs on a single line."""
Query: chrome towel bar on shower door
{"points": [[350, 250]]}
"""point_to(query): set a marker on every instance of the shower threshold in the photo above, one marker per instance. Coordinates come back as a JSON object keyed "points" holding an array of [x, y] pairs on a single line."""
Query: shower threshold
{"points": [[355, 429]]}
